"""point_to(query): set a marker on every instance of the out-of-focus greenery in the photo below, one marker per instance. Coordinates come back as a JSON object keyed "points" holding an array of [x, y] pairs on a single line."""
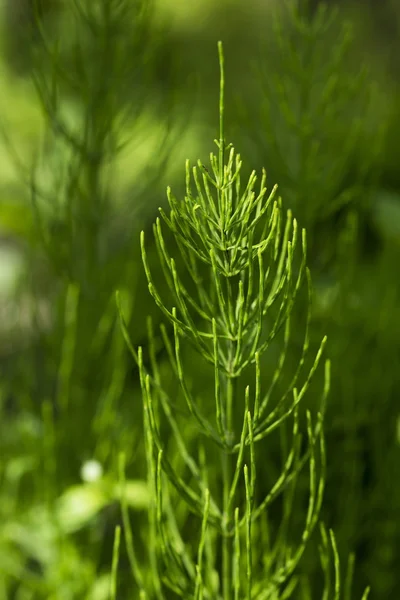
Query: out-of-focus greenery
{"points": [[69, 226]]}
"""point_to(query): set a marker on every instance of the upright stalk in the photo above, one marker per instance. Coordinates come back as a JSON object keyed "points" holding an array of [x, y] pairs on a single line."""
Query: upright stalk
{"points": [[221, 111], [227, 471], [227, 458]]}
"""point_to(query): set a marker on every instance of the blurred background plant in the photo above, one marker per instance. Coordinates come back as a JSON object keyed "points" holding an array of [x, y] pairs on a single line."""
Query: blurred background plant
{"points": [[101, 102]]}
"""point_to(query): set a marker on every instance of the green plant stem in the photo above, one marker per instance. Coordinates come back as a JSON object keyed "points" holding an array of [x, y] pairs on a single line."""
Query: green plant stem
{"points": [[227, 457], [227, 538], [227, 474], [221, 112]]}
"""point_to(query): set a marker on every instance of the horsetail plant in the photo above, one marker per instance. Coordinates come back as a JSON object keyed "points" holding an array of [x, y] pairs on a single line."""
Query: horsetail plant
{"points": [[246, 260]]}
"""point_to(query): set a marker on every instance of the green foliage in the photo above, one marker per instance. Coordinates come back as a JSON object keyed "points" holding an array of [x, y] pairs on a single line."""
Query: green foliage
{"points": [[313, 104], [230, 237], [198, 468], [59, 397]]}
